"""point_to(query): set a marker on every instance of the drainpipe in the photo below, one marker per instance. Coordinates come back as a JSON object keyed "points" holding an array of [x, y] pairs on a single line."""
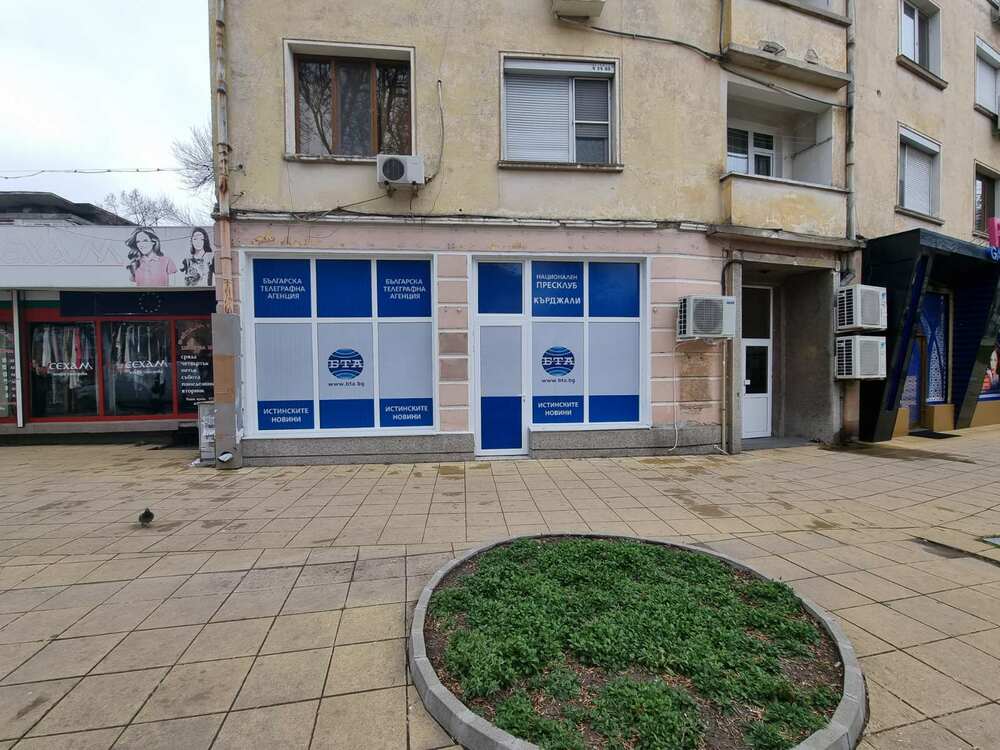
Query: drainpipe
{"points": [[226, 335], [852, 229]]}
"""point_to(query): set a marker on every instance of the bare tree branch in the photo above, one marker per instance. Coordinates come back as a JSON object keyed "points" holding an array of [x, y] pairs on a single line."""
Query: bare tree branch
{"points": [[149, 210], [194, 156]]}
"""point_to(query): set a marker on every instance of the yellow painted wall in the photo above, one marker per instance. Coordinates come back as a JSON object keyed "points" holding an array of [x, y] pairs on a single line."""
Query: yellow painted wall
{"points": [[888, 94]]}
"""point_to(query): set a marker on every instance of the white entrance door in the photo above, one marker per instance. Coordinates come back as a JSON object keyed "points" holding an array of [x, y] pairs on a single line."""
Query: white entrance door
{"points": [[500, 341], [757, 344]]}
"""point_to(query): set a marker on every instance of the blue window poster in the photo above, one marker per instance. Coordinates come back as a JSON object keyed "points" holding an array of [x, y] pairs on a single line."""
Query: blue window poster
{"points": [[284, 354], [557, 372], [500, 288], [406, 412], [556, 289], [346, 375], [404, 288], [344, 288], [285, 415], [614, 290], [281, 288]]}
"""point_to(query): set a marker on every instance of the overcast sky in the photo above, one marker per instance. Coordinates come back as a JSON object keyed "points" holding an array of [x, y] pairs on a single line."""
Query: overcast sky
{"points": [[101, 83]]}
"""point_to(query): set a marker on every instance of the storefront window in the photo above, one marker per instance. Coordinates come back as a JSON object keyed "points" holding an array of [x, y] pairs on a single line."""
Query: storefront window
{"points": [[63, 370], [137, 368], [194, 364], [991, 380], [8, 388], [361, 357]]}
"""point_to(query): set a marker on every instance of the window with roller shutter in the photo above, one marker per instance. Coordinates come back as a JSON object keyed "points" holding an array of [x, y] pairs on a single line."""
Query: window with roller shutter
{"points": [[918, 172], [558, 111]]}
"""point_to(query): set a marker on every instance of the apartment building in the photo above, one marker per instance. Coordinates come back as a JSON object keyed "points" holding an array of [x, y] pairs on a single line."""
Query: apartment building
{"points": [[586, 165], [927, 160]]}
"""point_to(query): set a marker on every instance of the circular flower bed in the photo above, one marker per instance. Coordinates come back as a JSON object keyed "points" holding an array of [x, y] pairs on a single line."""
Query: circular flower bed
{"points": [[576, 643]]}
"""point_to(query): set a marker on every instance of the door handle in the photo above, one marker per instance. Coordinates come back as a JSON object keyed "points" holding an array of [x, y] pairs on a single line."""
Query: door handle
{"points": [[746, 382]]}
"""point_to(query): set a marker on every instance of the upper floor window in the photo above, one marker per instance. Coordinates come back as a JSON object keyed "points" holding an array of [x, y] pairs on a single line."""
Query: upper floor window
{"points": [[751, 152], [919, 167], [919, 33], [987, 68], [558, 111], [352, 107], [985, 200]]}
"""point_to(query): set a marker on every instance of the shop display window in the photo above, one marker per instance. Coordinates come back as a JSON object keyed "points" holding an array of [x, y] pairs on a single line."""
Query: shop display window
{"points": [[63, 370], [138, 371], [194, 364]]}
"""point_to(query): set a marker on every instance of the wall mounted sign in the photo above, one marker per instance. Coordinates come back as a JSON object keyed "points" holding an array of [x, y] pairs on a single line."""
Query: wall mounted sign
{"points": [[404, 288], [281, 288]]}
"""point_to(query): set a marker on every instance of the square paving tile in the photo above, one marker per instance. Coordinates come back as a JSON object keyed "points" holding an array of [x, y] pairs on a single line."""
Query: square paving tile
{"points": [[95, 739], [289, 726], [225, 640], [315, 598], [383, 591], [188, 610], [195, 733], [891, 626], [100, 701], [923, 736], [309, 630], [963, 663], [367, 666], [23, 705], [263, 603], [193, 689], [285, 678], [425, 733], [344, 721], [141, 649], [111, 618], [940, 616], [376, 623], [35, 626]]}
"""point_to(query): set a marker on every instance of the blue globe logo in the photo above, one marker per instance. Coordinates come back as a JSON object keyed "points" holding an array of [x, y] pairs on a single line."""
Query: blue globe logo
{"points": [[558, 361], [345, 364]]}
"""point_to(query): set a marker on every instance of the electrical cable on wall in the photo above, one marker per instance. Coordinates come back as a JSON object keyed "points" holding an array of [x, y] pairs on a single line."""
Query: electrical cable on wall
{"points": [[111, 170]]}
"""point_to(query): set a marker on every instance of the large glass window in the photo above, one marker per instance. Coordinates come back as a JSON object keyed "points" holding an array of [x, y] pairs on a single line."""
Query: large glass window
{"points": [[63, 370], [138, 375], [356, 352], [8, 372]]}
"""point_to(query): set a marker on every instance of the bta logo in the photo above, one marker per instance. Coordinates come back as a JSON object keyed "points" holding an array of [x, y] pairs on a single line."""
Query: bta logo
{"points": [[345, 364], [558, 361]]}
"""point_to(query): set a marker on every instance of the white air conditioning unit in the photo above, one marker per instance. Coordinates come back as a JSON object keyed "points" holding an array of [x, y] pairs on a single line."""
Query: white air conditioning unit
{"points": [[706, 317], [860, 357], [861, 307], [400, 171], [578, 8]]}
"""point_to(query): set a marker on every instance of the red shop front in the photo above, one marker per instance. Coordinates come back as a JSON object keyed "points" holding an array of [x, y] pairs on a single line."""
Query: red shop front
{"points": [[110, 356]]}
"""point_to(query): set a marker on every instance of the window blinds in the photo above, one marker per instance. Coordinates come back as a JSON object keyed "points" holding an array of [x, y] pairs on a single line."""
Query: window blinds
{"points": [[917, 179], [538, 126]]}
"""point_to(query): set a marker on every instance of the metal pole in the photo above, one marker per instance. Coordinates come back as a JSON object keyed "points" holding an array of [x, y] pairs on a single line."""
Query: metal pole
{"points": [[18, 380]]}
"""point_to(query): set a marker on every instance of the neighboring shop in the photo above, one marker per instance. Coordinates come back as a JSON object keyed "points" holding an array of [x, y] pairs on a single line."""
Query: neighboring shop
{"points": [[104, 328], [943, 345]]}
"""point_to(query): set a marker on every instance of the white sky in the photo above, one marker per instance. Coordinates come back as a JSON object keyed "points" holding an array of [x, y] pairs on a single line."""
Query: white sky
{"points": [[101, 83]]}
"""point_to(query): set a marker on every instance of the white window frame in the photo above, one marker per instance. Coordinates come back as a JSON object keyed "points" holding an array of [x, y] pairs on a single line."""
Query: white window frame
{"points": [[991, 57], [752, 151], [924, 13], [293, 47], [908, 139], [248, 320], [604, 68]]}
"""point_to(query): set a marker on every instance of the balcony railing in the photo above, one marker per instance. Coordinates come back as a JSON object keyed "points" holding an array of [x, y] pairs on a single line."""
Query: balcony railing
{"points": [[781, 205]]}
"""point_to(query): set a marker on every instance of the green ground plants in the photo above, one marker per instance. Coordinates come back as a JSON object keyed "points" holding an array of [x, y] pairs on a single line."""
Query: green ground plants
{"points": [[576, 644]]}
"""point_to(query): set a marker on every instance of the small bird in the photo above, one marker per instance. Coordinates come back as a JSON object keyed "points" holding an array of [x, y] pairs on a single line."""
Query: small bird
{"points": [[146, 517]]}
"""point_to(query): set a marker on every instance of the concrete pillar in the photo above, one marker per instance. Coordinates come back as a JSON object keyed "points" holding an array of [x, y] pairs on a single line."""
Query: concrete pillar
{"points": [[732, 427], [226, 372]]}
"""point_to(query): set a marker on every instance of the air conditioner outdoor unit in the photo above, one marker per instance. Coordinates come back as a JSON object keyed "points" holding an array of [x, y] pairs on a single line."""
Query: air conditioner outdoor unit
{"points": [[861, 307], [578, 8], [400, 171], [706, 317], [860, 357]]}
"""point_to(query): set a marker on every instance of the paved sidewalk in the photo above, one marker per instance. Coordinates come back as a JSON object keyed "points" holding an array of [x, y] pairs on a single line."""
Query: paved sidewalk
{"points": [[267, 607]]}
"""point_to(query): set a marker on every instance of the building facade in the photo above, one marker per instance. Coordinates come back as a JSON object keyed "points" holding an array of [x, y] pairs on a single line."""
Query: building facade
{"points": [[105, 327], [582, 175], [927, 158]]}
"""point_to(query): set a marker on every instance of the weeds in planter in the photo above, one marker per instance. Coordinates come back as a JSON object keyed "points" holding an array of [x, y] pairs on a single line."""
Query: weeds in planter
{"points": [[584, 643]]}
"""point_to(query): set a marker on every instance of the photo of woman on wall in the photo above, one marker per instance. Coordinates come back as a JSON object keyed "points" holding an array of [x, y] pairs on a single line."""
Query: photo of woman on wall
{"points": [[199, 268], [148, 266], [991, 381]]}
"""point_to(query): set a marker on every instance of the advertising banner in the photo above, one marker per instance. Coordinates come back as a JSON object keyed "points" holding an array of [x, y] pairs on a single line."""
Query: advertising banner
{"points": [[556, 289], [346, 364], [991, 381], [557, 373], [106, 257]]}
